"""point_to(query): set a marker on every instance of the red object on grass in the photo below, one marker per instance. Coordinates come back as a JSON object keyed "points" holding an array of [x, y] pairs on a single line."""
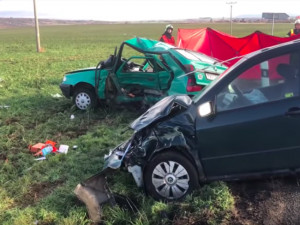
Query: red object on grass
{"points": [[52, 143]]}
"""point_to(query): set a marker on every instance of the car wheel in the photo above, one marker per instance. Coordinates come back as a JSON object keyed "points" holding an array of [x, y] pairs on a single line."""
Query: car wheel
{"points": [[84, 98], [170, 176]]}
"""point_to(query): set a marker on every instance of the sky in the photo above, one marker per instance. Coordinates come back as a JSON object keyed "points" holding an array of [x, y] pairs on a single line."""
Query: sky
{"points": [[137, 10]]}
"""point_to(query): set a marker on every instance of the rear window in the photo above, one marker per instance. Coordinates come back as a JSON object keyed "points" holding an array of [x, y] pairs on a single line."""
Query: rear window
{"points": [[196, 56]]}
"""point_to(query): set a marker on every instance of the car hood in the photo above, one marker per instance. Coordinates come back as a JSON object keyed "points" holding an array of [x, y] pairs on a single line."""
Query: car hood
{"points": [[82, 70], [160, 110]]}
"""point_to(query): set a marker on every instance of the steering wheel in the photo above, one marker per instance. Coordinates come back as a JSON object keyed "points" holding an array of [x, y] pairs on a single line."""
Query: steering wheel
{"points": [[240, 96], [237, 91]]}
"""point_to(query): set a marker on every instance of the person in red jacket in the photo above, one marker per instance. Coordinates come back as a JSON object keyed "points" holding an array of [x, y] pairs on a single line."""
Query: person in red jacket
{"points": [[167, 35]]}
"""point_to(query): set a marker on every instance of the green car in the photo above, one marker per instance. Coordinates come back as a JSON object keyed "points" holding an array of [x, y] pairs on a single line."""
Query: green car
{"points": [[143, 71]]}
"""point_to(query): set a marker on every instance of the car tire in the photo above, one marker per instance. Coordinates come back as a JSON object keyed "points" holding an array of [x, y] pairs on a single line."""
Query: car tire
{"points": [[84, 98], [170, 176]]}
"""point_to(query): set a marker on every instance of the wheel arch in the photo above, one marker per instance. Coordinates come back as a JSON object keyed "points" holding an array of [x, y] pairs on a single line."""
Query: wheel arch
{"points": [[82, 85]]}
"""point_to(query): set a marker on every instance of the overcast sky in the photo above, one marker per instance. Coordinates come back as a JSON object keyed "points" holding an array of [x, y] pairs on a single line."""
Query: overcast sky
{"points": [[128, 10]]}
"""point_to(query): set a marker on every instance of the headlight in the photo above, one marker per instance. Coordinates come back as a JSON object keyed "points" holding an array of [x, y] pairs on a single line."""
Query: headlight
{"points": [[211, 76], [64, 79]]}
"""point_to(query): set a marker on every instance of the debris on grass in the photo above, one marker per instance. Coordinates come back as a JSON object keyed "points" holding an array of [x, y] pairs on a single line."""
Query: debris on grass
{"points": [[43, 149], [4, 106], [56, 95], [63, 149]]}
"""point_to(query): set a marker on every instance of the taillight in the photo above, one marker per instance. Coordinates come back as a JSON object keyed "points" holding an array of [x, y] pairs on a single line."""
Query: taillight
{"points": [[192, 86], [189, 68]]}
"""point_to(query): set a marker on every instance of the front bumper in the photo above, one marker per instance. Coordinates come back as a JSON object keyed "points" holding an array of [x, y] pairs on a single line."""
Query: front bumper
{"points": [[93, 192], [66, 90], [116, 158]]}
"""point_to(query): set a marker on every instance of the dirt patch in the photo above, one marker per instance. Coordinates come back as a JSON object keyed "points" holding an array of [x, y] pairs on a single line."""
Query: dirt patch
{"points": [[38, 191], [267, 202], [2, 157], [12, 120]]}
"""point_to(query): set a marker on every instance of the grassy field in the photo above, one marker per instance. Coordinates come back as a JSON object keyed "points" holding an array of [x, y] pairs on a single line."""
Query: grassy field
{"points": [[41, 192]]}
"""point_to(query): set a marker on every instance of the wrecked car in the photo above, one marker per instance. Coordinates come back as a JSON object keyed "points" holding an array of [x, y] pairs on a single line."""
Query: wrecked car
{"points": [[244, 125], [143, 71]]}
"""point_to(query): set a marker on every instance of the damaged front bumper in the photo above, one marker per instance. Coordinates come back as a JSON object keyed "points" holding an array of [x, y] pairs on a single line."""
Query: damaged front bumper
{"points": [[94, 191]]}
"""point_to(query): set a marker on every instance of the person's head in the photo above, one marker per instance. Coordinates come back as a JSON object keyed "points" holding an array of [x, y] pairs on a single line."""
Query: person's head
{"points": [[297, 24], [169, 28]]}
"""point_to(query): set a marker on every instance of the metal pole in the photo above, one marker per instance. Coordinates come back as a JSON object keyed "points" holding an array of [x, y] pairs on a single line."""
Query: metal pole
{"points": [[230, 3], [37, 30], [273, 23], [231, 19]]}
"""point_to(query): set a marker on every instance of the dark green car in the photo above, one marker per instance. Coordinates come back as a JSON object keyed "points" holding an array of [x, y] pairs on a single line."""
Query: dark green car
{"points": [[142, 71], [244, 125]]}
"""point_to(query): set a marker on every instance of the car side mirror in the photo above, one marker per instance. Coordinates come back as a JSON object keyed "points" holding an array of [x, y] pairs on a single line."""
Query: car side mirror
{"points": [[205, 109]]}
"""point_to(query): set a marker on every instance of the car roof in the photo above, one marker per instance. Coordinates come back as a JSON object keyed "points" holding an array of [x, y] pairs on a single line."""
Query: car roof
{"points": [[148, 45]]}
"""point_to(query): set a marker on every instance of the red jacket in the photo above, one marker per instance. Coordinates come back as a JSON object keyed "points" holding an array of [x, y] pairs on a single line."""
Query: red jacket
{"points": [[170, 41]]}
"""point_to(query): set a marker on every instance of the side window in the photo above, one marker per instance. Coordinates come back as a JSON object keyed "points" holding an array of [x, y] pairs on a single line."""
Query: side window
{"points": [[271, 80]]}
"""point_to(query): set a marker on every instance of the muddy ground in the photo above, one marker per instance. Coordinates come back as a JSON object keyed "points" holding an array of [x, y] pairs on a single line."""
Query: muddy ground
{"points": [[267, 202]]}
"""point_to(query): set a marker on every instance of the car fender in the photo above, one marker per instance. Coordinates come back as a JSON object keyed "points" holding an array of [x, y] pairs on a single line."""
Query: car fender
{"points": [[171, 139]]}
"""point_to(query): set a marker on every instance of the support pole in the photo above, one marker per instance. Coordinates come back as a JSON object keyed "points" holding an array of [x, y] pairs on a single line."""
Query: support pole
{"points": [[37, 30], [230, 3], [273, 23]]}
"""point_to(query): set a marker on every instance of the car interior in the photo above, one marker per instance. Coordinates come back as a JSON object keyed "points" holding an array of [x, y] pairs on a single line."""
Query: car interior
{"points": [[271, 80]]}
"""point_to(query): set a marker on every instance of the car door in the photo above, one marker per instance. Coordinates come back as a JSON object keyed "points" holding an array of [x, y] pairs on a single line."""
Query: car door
{"points": [[138, 71], [255, 128]]}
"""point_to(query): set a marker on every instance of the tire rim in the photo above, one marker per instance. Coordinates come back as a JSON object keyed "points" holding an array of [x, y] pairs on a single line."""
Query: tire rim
{"points": [[170, 179], [83, 100]]}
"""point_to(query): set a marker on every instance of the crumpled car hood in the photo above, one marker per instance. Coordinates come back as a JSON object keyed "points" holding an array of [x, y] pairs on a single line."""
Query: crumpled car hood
{"points": [[159, 110]]}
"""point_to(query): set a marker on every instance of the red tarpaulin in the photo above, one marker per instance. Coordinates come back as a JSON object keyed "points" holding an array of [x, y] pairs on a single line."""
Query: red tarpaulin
{"points": [[223, 46]]}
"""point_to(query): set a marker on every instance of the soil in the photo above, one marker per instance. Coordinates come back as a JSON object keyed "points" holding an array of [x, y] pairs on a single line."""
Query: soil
{"points": [[266, 202], [37, 192]]}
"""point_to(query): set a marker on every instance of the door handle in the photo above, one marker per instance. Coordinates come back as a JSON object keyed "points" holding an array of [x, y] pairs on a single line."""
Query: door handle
{"points": [[294, 111]]}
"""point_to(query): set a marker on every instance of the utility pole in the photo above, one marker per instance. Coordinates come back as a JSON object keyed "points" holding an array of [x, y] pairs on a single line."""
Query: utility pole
{"points": [[273, 22], [230, 3], [37, 30]]}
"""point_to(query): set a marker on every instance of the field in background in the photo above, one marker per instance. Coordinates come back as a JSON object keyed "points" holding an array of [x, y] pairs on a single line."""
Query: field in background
{"points": [[41, 192]]}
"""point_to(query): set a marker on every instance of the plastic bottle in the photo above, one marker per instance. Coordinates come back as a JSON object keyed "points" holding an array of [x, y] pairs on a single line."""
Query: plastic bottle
{"points": [[48, 149]]}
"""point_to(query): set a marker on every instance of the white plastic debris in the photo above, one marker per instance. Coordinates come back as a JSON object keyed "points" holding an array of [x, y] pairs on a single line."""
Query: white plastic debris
{"points": [[40, 158], [63, 149], [56, 95]]}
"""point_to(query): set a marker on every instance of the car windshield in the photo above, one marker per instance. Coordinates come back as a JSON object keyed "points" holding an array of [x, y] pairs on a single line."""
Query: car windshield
{"points": [[196, 56]]}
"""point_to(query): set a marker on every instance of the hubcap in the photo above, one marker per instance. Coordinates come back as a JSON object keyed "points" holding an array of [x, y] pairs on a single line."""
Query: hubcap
{"points": [[83, 100], [170, 179]]}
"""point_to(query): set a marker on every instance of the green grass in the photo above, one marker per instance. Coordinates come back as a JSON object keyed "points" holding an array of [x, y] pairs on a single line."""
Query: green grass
{"points": [[42, 191]]}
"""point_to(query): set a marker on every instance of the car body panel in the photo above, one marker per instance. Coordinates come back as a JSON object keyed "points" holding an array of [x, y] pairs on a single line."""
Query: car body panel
{"points": [[83, 75]]}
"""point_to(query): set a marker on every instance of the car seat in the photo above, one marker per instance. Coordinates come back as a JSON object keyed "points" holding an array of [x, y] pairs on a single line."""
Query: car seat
{"points": [[291, 80]]}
